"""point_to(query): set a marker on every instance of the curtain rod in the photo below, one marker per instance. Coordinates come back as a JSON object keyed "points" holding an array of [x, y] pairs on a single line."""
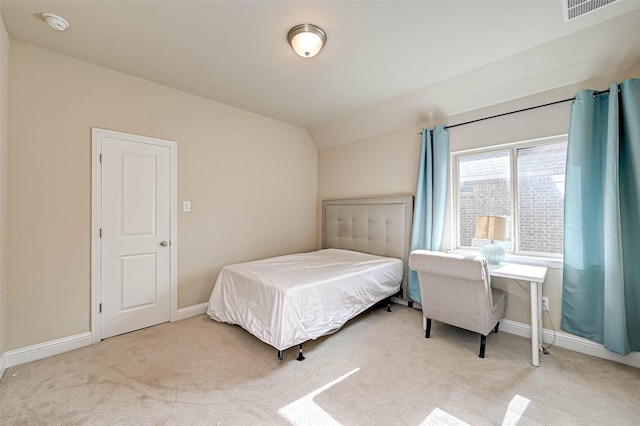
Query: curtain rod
{"points": [[520, 110], [508, 113]]}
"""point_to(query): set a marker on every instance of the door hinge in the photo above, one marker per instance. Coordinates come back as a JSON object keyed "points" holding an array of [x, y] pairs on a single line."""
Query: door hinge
{"points": [[100, 232], [100, 308], [100, 158]]}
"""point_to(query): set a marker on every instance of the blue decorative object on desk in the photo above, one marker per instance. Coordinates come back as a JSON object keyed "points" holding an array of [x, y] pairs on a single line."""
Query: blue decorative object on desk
{"points": [[493, 253]]}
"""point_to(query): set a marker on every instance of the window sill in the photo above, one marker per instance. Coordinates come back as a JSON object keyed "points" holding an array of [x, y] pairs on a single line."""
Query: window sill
{"points": [[549, 262]]}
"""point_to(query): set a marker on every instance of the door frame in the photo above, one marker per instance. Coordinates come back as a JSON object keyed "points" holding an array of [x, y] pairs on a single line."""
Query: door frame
{"points": [[96, 221]]}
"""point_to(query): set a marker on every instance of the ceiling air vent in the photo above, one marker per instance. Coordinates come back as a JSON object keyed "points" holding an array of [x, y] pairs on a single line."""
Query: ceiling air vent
{"points": [[573, 9]]}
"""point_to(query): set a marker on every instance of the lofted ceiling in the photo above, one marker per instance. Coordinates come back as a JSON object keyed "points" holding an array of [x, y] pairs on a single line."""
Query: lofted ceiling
{"points": [[386, 64]]}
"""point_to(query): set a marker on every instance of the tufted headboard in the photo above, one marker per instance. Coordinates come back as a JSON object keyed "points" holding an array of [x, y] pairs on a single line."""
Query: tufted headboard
{"points": [[378, 225]]}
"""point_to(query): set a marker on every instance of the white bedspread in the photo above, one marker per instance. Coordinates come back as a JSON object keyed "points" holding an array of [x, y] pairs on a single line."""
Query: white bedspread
{"points": [[287, 300]]}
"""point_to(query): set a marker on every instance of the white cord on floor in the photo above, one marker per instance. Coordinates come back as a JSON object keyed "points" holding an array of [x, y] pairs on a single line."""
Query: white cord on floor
{"points": [[554, 331]]}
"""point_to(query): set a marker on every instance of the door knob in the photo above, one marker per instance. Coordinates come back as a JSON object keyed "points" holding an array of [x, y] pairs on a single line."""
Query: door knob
{"points": [[164, 243]]}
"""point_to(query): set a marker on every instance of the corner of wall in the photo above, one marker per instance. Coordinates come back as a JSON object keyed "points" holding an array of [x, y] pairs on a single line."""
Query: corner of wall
{"points": [[4, 81]]}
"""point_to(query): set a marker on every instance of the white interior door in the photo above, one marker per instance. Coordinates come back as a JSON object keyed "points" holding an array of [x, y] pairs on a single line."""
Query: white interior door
{"points": [[135, 234]]}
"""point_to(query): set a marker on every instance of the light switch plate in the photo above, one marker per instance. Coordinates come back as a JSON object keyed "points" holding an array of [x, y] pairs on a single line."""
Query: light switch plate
{"points": [[186, 206]]}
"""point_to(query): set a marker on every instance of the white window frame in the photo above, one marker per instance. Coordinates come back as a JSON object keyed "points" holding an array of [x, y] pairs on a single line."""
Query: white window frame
{"points": [[546, 259]]}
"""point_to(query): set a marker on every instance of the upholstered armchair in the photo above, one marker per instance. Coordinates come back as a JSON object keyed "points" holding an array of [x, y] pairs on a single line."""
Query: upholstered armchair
{"points": [[457, 290]]}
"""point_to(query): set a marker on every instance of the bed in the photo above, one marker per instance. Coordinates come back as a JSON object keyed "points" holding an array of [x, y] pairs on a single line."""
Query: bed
{"points": [[287, 300]]}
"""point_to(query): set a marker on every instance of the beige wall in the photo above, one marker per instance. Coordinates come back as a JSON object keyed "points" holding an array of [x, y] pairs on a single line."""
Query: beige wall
{"points": [[4, 81], [377, 166], [388, 164], [251, 180]]}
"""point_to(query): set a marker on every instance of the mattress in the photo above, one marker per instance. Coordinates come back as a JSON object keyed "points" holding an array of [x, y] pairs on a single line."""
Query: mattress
{"points": [[287, 300]]}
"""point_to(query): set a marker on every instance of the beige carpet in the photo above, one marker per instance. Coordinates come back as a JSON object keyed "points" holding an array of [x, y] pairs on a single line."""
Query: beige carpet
{"points": [[379, 369]]}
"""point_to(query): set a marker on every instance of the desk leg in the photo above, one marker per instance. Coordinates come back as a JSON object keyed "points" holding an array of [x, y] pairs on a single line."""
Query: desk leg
{"points": [[536, 330], [540, 316]]}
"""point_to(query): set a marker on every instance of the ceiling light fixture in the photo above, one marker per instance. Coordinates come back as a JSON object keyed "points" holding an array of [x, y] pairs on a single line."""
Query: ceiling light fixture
{"points": [[307, 39], [56, 22]]}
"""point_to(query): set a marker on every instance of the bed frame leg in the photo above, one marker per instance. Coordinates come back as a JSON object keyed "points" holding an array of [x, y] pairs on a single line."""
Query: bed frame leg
{"points": [[389, 305], [300, 357], [280, 355]]}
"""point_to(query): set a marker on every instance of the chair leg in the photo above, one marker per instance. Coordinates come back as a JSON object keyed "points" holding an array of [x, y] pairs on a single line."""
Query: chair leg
{"points": [[427, 331], [495, 330], [483, 343]]}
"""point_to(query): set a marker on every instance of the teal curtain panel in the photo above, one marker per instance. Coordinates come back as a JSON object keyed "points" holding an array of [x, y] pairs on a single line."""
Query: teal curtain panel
{"points": [[431, 197], [601, 275]]}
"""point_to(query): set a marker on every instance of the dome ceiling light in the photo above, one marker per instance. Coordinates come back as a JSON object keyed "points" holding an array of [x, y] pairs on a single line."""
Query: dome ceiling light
{"points": [[307, 39], [56, 22]]}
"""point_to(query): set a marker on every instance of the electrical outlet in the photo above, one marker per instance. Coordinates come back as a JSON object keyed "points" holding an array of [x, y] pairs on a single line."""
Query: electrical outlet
{"points": [[545, 303]]}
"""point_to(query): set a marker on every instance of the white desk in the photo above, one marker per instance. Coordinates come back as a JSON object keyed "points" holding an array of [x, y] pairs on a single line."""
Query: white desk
{"points": [[535, 275]]}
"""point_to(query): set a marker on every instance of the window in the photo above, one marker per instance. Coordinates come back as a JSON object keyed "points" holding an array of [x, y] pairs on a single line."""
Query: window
{"points": [[523, 182]]}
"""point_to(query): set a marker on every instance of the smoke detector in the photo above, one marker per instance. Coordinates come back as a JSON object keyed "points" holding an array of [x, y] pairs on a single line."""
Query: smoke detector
{"points": [[56, 22], [573, 9]]}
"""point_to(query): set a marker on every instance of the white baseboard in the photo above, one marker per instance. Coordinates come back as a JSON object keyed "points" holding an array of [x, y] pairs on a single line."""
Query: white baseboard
{"points": [[43, 350], [414, 305], [58, 346], [569, 341], [191, 311], [563, 340], [2, 366]]}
